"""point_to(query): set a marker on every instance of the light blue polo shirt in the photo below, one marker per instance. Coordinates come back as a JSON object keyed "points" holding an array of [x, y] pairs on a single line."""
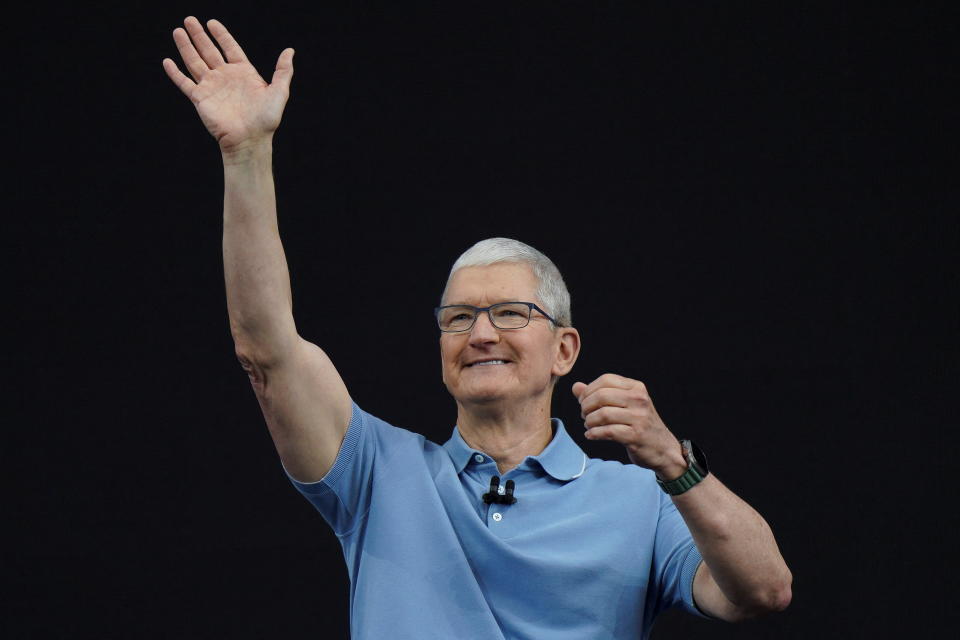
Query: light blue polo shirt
{"points": [[591, 549]]}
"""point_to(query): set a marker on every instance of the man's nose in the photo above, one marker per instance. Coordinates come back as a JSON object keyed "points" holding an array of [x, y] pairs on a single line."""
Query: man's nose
{"points": [[483, 330]]}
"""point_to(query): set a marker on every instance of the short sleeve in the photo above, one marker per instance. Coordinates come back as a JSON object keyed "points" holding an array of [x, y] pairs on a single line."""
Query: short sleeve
{"points": [[675, 560], [343, 495]]}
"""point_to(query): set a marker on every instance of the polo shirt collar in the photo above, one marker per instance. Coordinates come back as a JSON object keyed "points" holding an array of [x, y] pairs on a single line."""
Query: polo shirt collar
{"points": [[562, 458]]}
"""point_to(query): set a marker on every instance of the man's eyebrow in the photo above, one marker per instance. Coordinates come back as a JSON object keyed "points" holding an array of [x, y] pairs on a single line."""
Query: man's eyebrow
{"points": [[467, 304]]}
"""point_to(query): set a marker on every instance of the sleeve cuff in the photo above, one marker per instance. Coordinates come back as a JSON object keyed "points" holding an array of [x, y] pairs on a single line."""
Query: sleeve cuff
{"points": [[688, 572], [348, 450]]}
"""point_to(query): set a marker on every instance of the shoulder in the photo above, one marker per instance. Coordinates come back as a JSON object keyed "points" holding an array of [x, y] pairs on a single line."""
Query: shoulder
{"points": [[628, 482], [616, 471], [389, 440]]}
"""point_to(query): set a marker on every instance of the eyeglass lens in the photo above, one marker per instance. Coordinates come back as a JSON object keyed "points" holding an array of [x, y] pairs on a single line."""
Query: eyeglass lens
{"points": [[506, 315]]}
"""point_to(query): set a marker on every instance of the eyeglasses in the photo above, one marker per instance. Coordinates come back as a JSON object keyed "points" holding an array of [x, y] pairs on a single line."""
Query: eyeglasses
{"points": [[455, 318]]}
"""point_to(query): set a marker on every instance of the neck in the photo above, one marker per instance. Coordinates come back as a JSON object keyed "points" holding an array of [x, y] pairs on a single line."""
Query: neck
{"points": [[506, 435]]}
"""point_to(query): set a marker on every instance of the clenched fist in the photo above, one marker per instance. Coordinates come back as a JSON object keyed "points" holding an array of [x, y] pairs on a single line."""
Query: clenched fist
{"points": [[620, 409]]}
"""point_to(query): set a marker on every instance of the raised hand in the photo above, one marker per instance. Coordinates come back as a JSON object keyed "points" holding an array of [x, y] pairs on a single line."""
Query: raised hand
{"points": [[620, 409], [236, 105]]}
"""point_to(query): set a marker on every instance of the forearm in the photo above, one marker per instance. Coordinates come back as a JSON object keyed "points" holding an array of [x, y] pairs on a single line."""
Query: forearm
{"points": [[737, 546], [743, 572], [259, 301]]}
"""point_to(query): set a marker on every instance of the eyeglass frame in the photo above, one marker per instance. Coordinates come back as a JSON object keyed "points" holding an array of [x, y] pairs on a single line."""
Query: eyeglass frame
{"points": [[478, 310]]}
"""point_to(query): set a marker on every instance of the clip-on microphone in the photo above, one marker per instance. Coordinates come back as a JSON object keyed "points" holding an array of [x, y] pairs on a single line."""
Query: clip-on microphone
{"points": [[495, 497]]}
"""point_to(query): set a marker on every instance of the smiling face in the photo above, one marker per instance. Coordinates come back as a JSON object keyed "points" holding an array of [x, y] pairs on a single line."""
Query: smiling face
{"points": [[487, 365]]}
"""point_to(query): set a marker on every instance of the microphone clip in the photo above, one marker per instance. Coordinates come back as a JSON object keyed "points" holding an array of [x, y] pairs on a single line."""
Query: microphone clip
{"points": [[495, 497]]}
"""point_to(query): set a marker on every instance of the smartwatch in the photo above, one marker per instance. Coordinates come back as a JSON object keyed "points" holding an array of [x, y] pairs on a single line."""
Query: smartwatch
{"points": [[696, 471]]}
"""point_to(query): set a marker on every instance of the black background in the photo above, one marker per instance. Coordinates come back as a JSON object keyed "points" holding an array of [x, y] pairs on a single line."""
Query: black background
{"points": [[753, 207]]}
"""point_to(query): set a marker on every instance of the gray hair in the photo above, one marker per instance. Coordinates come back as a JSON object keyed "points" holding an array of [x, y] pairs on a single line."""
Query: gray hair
{"points": [[551, 290]]}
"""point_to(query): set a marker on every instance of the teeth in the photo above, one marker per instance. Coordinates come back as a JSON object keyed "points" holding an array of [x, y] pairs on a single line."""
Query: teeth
{"points": [[486, 362]]}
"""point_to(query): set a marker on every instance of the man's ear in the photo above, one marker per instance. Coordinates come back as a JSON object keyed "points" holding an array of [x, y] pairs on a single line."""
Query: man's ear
{"points": [[568, 349]]}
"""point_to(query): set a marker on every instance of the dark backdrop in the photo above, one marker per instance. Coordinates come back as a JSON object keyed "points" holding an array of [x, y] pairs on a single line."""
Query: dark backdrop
{"points": [[753, 206]]}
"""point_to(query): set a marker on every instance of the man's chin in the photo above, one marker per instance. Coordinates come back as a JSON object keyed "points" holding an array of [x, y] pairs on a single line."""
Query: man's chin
{"points": [[484, 396], [483, 399]]}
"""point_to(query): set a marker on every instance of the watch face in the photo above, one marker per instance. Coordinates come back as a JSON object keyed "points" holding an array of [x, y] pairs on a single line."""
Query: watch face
{"points": [[698, 457]]}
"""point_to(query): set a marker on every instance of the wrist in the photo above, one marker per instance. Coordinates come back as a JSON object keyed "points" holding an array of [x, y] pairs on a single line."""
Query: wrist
{"points": [[674, 466], [248, 152], [672, 469], [696, 470]]}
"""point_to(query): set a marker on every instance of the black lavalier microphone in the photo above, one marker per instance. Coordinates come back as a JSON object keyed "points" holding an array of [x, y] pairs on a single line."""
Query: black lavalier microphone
{"points": [[494, 495]]}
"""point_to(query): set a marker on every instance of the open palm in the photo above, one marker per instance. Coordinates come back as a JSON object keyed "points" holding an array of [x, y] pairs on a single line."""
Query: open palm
{"points": [[236, 105]]}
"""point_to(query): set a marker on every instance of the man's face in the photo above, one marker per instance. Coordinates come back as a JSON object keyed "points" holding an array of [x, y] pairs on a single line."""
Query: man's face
{"points": [[521, 362]]}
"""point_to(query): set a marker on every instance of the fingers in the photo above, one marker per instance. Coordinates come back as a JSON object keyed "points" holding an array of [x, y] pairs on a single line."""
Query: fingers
{"points": [[604, 397], [613, 400], [284, 71], [204, 45], [185, 84], [610, 389], [609, 416], [620, 409], [191, 59], [196, 48], [617, 432], [230, 47], [606, 380]]}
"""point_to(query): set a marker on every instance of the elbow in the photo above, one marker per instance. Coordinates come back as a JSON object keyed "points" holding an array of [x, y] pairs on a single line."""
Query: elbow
{"points": [[261, 354], [254, 371], [773, 598], [257, 363], [783, 593], [780, 599], [786, 592], [769, 599]]}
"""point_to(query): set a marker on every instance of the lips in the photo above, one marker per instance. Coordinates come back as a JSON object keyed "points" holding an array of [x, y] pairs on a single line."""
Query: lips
{"points": [[487, 362]]}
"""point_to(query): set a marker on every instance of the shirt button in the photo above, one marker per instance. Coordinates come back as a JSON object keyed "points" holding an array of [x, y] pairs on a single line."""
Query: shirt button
{"points": [[497, 517], [478, 458]]}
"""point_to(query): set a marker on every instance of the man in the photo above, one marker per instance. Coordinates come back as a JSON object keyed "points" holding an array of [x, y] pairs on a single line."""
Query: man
{"points": [[508, 530]]}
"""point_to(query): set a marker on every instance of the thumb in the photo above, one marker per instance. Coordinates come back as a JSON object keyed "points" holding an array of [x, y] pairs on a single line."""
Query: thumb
{"points": [[283, 74], [578, 388]]}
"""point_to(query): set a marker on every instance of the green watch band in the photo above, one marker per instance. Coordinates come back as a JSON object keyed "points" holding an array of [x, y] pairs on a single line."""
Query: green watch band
{"points": [[696, 471]]}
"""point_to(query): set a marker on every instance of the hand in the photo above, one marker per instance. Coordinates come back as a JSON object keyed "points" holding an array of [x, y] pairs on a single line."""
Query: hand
{"points": [[620, 409], [235, 104]]}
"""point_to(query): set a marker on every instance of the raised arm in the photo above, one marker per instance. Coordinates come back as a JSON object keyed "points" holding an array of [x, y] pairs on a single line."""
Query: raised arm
{"points": [[304, 400]]}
